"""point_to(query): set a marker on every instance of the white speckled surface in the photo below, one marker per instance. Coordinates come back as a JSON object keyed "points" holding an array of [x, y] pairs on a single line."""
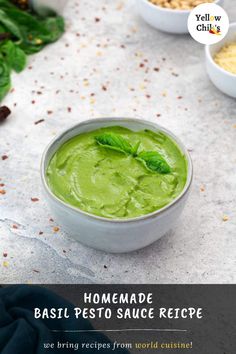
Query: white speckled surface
{"points": [[108, 53]]}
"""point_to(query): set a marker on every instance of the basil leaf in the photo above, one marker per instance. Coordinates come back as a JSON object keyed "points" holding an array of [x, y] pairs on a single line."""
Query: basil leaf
{"points": [[33, 31], [5, 80], [135, 149], [10, 24], [19, 63], [114, 142], [21, 33], [154, 161], [13, 56]]}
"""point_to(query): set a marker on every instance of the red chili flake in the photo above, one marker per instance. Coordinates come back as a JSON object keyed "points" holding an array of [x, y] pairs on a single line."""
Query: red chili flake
{"points": [[4, 157], [34, 200], [49, 112], [2, 184], [39, 121], [123, 46], [158, 114], [4, 113], [141, 65], [30, 67], [148, 96], [33, 102], [156, 69], [179, 97], [2, 191], [69, 109], [14, 226], [40, 233], [5, 254], [97, 19], [104, 88]]}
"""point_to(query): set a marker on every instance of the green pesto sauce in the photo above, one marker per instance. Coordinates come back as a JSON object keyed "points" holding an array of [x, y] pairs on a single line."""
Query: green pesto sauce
{"points": [[111, 184]]}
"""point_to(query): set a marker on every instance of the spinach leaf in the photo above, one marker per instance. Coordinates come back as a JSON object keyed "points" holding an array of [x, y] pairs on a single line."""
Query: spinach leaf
{"points": [[114, 142], [154, 161]]}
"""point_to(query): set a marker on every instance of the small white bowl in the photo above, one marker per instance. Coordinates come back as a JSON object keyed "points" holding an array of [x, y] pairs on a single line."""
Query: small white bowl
{"points": [[42, 7], [222, 79], [113, 235], [166, 20]]}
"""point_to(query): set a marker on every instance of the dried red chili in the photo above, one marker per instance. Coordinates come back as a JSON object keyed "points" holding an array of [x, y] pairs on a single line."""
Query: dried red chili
{"points": [[4, 113]]}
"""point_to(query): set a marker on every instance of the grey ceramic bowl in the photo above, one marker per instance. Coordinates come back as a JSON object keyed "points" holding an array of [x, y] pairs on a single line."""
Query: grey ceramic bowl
{"points": [[113, 235]]}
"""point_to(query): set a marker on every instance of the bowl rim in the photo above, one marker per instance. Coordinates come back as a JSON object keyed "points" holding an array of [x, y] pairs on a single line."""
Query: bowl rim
{"points": [[212, 61], [164, 9], [117, 119]]}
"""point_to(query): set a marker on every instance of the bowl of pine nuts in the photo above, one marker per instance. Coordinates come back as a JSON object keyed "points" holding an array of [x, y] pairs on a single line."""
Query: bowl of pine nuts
{"points": [[169, 15], [220, 62]]}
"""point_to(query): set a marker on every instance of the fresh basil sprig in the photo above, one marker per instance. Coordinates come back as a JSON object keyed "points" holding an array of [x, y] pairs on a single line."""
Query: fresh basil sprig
{"points": [[152, 160], [22, 33], [11, 58]]}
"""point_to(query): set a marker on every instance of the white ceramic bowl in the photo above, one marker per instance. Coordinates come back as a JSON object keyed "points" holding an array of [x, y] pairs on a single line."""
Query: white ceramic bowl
{"points": [[166, 20], [44, 6], [113, 235], [222, 79]]}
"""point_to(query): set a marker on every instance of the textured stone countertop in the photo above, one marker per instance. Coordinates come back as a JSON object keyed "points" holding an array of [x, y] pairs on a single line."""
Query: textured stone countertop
{"points": [[132, 70]]}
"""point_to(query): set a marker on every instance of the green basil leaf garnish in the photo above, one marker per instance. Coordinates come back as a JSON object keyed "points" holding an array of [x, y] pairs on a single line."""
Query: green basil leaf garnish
{"points": [[114, 142], [152, 160]]}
